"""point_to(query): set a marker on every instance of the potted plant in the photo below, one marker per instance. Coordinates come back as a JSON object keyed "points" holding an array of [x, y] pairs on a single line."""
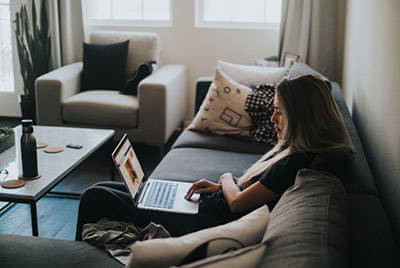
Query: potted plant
{"points": [[6, 138], [34, 52]]}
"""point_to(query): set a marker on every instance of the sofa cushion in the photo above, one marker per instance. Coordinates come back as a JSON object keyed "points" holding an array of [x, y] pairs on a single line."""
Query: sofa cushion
{"points": [[372, 243], [192, 164], [143, 46], [359, 179], [104, 66], [252, 76], [195, 139], [300, 68], [223, 110], [103, 108], [27, 251], [308, 226], [164, 252], [245, 257]]}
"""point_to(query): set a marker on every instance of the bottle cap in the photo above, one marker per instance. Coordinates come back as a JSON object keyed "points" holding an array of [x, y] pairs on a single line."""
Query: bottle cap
{"points": [[27, 122]]}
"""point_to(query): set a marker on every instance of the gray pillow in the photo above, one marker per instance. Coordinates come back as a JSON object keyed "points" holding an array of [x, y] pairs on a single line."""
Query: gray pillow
{"points": [[245, 257], [308, 226]]}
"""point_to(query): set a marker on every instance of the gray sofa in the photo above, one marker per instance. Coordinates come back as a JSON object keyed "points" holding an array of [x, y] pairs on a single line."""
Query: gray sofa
{"points": [[370, 238]]}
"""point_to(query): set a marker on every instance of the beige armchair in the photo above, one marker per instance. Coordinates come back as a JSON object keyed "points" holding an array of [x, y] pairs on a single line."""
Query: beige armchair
{"points": [[150, 117]]}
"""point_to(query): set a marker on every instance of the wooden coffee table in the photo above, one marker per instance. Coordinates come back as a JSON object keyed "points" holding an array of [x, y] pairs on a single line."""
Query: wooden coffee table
{"points": [[53, 167]]}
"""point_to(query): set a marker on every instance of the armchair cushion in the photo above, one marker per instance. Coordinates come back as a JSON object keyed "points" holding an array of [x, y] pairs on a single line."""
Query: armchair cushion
{"points": [[143, 46], [104, 108], [104, 66]]}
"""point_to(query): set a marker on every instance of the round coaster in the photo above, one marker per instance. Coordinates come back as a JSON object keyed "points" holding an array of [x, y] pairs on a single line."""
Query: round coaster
{"points": [[53, 149], [12, 184], [41, 145], [29, 178]]}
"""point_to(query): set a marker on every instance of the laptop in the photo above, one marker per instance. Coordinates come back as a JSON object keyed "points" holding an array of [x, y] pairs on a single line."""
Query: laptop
{"points": [[152, 194]]}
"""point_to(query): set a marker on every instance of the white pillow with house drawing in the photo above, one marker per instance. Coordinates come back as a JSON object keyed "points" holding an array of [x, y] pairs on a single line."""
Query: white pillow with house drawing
{"points": [[223, 109]]}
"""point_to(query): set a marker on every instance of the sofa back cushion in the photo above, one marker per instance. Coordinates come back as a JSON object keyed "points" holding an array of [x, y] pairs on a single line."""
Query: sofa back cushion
{"points": [[308, 227], [164, 252]]}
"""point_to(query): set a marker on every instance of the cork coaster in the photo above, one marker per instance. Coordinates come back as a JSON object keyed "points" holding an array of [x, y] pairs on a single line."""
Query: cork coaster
{"points": [[12, 184], [41, 145], [21, 177], [53, 149]]}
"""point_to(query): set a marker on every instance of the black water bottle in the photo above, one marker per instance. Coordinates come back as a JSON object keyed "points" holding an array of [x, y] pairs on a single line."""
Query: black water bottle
{"points": [[28, 150]]}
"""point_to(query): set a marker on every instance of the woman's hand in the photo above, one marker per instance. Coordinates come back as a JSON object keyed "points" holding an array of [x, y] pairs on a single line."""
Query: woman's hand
{"points": [[202, 186]]}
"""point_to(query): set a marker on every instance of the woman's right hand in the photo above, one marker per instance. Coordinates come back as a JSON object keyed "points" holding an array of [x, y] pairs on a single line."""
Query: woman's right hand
{"points": [[202, 186]]}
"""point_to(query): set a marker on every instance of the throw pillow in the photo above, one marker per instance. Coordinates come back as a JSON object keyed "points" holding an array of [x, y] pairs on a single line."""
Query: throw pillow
{"points": [[223, 109], [104, 66], [143, 71], [308, 226], [246, 257], [260, 107], [248, 230], [252, 76]]}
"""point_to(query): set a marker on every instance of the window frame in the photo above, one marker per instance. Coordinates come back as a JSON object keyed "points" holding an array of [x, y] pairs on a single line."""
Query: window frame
{"points": [[11, 67], [131, 22], [201, 23]]}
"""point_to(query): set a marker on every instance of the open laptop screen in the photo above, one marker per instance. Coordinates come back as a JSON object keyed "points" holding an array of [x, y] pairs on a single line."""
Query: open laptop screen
{"points": [[128, 165]]}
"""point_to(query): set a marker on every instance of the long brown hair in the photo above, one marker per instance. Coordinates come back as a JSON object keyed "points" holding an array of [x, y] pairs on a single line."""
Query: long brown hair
{"points": [[314, 123]]}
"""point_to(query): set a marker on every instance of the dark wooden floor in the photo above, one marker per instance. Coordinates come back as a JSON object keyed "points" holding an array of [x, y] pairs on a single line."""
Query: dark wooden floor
{"points": [[57, 216]]}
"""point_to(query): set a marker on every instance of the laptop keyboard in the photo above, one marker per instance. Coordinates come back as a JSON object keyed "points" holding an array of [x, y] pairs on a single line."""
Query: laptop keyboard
{"points": [[162, 195]]}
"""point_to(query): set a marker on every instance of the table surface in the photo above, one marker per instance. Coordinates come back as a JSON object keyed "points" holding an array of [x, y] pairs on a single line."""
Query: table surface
{"points": [[52, 167]]}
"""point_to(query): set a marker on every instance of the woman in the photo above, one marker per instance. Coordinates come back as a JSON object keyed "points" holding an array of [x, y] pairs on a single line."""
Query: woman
{"points": [[307, 121]]}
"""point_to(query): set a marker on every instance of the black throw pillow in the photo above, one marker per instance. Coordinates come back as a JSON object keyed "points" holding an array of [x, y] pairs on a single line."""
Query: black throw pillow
{"points": [[143, 71], [104, 66]]}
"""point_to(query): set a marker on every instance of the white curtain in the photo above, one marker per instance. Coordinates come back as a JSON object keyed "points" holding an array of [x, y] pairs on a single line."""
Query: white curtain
{"points": [[308, 29], [67, 30]]}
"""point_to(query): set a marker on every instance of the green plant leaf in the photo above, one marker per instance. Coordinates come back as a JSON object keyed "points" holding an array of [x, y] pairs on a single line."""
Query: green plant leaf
{"points": [[44, 21], [33, 46], [34, 19]]}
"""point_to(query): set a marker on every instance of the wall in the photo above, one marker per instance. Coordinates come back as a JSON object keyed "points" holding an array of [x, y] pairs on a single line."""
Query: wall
{"points": [[371, 81], [9, 105], [199, 49]]}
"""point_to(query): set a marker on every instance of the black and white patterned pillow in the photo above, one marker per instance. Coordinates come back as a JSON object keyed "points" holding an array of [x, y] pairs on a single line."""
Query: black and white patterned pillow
{"points": [[260, 106]]}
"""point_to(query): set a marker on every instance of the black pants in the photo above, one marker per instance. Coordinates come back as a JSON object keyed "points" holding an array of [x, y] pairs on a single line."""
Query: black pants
{"points": [[112, 201]]}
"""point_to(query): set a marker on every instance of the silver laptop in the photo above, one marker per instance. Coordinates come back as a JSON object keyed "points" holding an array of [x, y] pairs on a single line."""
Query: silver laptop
{"points": [[162, 195]]}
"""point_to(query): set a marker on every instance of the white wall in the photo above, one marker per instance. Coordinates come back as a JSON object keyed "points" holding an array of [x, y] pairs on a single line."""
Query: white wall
{"points": [[199, 49], [371, 81], [9, 105]]}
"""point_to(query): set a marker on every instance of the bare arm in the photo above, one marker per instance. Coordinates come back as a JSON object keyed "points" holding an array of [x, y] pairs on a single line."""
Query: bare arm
{"points": [[239, 201]]}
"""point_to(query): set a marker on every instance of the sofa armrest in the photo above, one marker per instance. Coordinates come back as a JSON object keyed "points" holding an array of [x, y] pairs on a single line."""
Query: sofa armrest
{"points": [[202, 86], [52, 89], [162, 103]]}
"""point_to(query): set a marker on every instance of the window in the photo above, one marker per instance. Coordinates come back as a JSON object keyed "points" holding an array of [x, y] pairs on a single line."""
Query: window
{"points": [[6, 63], [129, 12], [239, 14]]}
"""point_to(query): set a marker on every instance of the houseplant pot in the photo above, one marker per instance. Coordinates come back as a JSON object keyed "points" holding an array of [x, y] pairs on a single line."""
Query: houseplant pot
{"points": [[28, 109]]}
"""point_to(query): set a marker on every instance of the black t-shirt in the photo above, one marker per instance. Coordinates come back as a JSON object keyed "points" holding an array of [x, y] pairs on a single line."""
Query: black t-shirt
{"points": [[283, 173]]}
